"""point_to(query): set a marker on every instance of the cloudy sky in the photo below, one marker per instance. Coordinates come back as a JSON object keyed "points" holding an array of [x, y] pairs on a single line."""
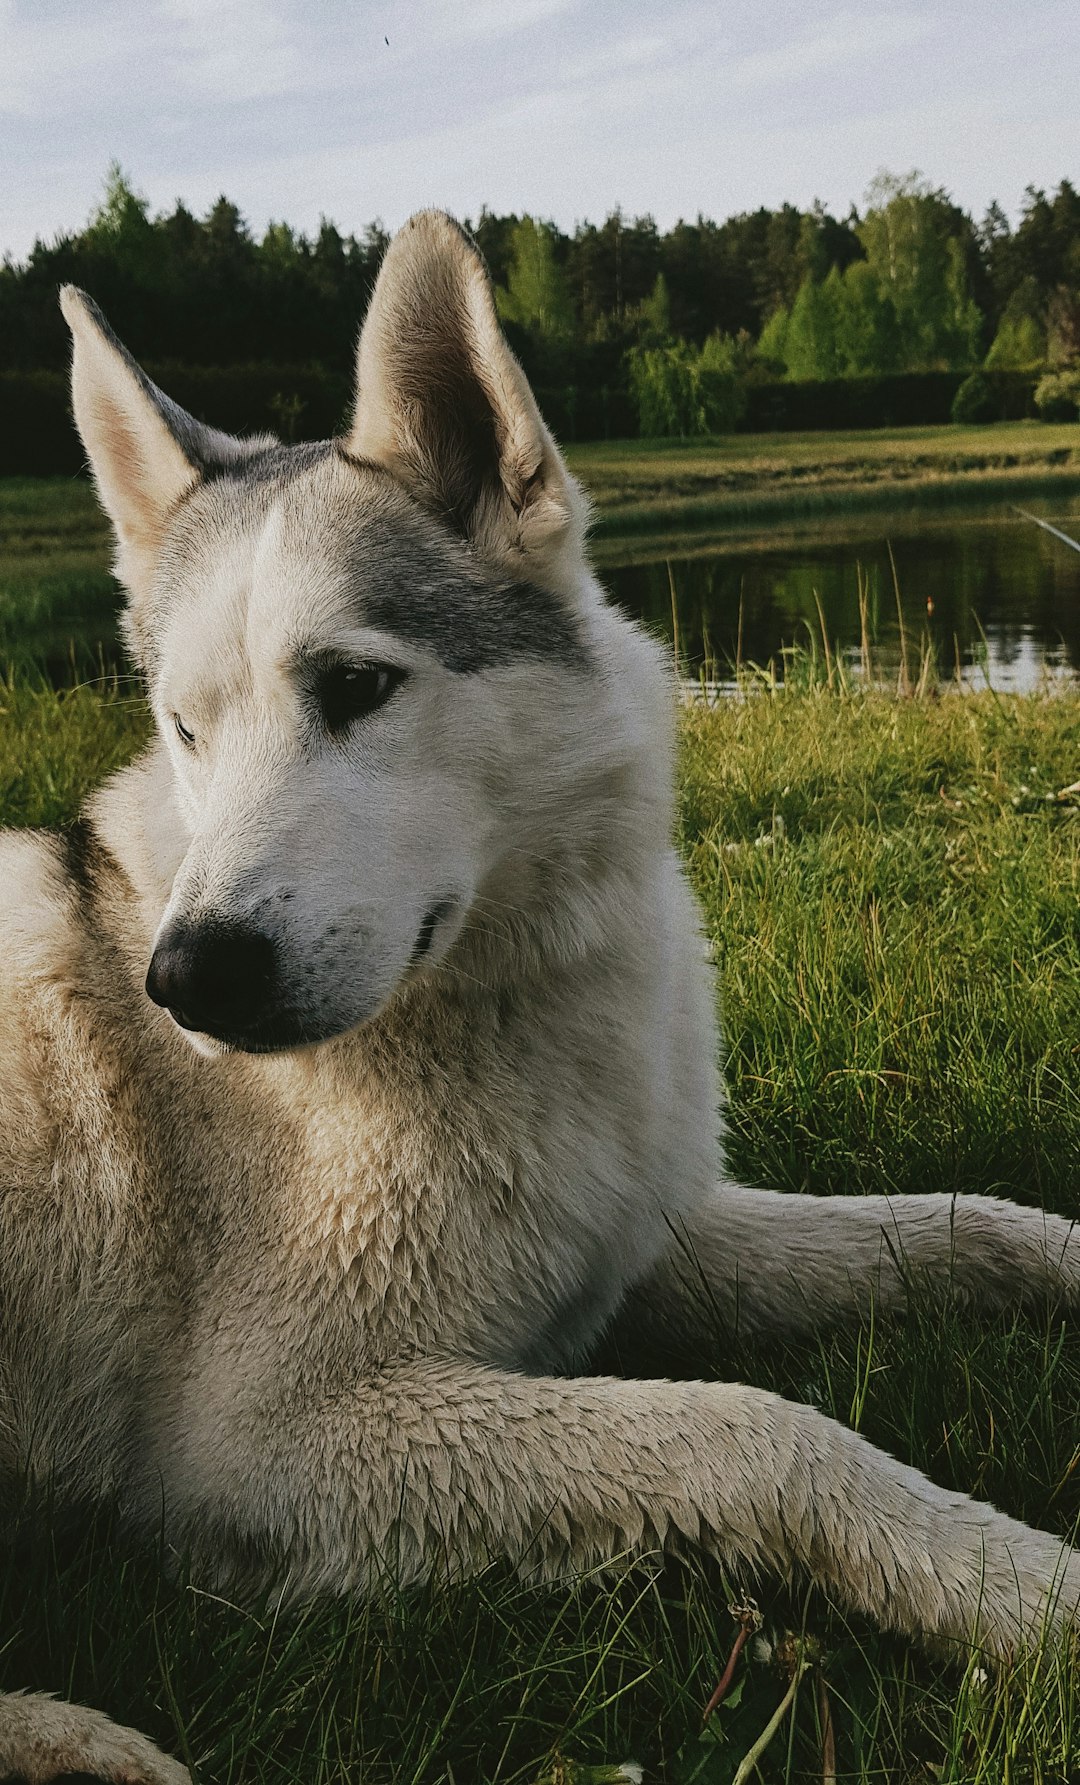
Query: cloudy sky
{"points": [[357, 109]]}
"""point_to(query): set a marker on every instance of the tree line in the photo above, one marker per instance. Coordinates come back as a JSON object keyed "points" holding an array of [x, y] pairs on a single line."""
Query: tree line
{"points": [[623, 327]]}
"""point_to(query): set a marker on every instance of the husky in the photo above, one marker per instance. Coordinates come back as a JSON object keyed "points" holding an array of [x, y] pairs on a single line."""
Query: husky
{"points": [[360, 1065]]}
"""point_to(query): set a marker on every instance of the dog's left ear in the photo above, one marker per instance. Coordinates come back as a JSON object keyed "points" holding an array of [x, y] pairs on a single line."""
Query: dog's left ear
{"points": [[144, 450], [443, 404]]}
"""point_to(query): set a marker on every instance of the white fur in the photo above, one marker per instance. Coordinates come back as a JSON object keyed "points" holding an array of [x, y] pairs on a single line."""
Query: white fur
{"points": [[341, 1286]]}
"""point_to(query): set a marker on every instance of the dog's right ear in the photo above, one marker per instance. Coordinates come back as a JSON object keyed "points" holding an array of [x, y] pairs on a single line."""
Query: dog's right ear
{"points": [[144, 450]]}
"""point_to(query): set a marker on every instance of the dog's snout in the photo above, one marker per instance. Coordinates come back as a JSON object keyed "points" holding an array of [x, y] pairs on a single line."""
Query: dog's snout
{"points": [[219, 979]]}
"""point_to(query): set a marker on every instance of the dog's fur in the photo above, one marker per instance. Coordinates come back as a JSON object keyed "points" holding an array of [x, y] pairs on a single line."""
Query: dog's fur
{"points": [[313, 1290]]}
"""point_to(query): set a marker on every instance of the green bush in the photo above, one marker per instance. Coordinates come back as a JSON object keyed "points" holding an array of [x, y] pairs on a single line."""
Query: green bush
{"points": [[682, 391], [975, 400], [1057, 396]]}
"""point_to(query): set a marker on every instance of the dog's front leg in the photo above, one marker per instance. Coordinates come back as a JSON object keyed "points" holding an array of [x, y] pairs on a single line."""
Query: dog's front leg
{"points": [[786, 1264], [447, 1463], [43, 1738]]}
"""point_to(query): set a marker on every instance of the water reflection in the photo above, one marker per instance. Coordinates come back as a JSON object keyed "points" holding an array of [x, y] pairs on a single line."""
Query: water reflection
{"points": [[992, 593], [995, 595]]}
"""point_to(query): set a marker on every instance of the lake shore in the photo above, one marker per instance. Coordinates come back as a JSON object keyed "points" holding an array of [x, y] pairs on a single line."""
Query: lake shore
{"points": [[673, 486], [652, 501], [638, 483]]}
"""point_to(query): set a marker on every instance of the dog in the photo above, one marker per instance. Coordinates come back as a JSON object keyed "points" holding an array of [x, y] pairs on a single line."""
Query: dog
{"points": [[360, 1066]]}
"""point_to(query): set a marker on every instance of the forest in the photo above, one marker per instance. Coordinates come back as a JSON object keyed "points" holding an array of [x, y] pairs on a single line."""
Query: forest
{"points": [[908, 310]]}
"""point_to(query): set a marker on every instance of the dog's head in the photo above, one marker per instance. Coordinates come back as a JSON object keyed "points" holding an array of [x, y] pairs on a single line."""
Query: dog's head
{"points": [[374, 663]]}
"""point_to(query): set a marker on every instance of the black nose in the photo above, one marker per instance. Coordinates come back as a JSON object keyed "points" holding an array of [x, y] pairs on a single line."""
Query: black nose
{"points": [[217, 978]]}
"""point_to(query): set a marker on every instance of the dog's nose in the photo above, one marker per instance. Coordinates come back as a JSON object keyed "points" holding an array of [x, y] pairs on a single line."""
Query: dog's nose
{"points": [[219, 979]]}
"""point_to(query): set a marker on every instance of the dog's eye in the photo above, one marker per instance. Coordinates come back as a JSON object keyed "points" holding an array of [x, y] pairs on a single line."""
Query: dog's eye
{"points": [[186, 737], [348, 691]]}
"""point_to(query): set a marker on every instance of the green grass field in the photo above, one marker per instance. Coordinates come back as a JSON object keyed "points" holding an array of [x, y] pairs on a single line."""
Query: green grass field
{"points": [[892, 890], [657, 486], [54, 569]]}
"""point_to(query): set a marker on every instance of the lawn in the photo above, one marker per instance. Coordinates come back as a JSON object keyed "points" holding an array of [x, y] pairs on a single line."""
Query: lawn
{"points": [[56, 594], [654, 486], [891, 893]]}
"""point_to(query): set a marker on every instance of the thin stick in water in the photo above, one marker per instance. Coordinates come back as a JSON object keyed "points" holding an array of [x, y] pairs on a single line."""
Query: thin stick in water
{"points": [[864, 623], [738, 641], [674, 618], [1026, 515], [905, 676]]}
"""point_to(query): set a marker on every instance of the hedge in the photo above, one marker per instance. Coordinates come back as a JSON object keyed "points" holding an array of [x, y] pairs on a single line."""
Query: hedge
{"points": [[38, 438], [899, 400], [310, 403]]}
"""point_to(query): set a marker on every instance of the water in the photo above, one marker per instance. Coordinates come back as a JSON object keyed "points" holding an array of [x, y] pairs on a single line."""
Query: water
{"points": [[996, 597], [993, 594]]}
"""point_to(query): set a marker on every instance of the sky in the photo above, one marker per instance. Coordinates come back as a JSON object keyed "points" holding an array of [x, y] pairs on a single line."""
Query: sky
{"points": [[565, 108]]}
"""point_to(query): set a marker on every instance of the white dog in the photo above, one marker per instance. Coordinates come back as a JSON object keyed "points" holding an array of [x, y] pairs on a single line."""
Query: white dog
{"points": [[359, 1058]]}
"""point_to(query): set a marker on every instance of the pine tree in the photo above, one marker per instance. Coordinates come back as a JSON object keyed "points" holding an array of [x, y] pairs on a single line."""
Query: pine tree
{"points": [[810, 342], [654, 316], [772, 345], [120, 228], [536, 294]]}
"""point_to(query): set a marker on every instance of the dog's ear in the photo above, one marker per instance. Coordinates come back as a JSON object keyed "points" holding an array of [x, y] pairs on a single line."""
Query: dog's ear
{"points": [[144, 450], [443, 404]]}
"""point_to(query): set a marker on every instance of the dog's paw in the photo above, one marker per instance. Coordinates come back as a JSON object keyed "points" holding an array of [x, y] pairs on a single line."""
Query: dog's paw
{"points": [[44, 1739]]}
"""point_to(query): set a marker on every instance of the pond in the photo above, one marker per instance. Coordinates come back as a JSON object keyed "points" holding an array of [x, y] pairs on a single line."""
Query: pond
{"points": [[991, 593]]}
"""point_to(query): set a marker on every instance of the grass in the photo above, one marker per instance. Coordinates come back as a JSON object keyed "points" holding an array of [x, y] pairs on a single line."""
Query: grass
{"points": [[655, 486], [56, 747], [891, 889], [54, 573]]}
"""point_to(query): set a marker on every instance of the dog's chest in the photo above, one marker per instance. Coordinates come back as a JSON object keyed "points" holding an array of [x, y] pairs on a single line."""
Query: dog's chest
{"points": [[416, 1232], [448, 1203]]}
